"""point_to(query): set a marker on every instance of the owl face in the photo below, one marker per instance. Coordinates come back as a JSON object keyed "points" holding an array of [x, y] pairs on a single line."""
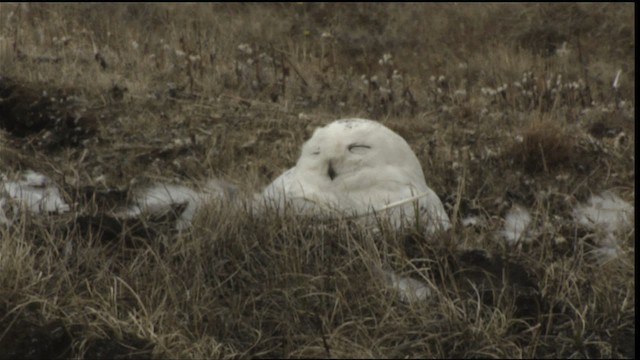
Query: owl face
{"points": [[352, 154]]}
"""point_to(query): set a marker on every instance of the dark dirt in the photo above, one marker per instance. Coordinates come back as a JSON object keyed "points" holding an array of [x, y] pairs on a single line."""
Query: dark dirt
{"points": [[495, 277], [130, 347], [25, 335], [46, 118], [23, 339]]}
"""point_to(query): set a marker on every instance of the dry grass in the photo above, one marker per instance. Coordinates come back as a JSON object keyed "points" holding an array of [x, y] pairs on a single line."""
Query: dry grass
{"points": [[543, 146], [137, 93]]}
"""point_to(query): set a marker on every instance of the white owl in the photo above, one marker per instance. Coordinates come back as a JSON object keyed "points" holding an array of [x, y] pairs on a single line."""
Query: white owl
{"points": [[359, 167]]}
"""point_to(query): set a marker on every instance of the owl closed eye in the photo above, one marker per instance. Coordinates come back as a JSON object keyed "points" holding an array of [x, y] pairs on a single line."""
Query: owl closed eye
{"points": [[358, 148]]}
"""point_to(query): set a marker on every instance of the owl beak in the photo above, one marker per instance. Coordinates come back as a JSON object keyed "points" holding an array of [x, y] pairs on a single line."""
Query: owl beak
{"points": [[332, 173]]}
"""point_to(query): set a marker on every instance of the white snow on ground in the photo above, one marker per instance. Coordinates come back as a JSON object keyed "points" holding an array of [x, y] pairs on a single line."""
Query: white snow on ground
{"points": [[515, 225], [4, 220], [162, 198], [36, 193], [608, 215], [410, 290], [32, 192], [472, 221], [605, 212]]}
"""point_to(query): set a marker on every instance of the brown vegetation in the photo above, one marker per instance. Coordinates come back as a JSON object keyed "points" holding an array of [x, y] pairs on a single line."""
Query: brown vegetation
{"points": [[502, 103]]}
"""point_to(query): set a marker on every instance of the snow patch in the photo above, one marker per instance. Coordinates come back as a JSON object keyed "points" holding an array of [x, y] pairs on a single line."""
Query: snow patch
{"points": [[605, 212], [162, 198], [4, 220], [472, 221], [608, 215], [515, 225], [410, 290], [32, 192]]}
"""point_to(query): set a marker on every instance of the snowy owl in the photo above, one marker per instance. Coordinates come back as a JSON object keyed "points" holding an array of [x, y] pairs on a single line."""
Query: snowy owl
{"points": [[359, 167]]}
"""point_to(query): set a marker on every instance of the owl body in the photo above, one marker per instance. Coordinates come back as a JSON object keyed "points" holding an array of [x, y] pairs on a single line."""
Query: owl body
{"points": [[359, 167]]}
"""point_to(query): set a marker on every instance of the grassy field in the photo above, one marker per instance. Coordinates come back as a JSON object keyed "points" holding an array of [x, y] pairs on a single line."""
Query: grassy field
{"points": [[528, 104]]}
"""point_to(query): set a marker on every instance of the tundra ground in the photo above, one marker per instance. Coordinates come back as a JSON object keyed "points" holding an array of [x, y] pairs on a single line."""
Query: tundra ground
{"points": [[529, 105]]}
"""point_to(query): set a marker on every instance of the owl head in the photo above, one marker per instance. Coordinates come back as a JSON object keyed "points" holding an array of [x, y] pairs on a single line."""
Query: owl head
{"points": [[356, 154]]}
